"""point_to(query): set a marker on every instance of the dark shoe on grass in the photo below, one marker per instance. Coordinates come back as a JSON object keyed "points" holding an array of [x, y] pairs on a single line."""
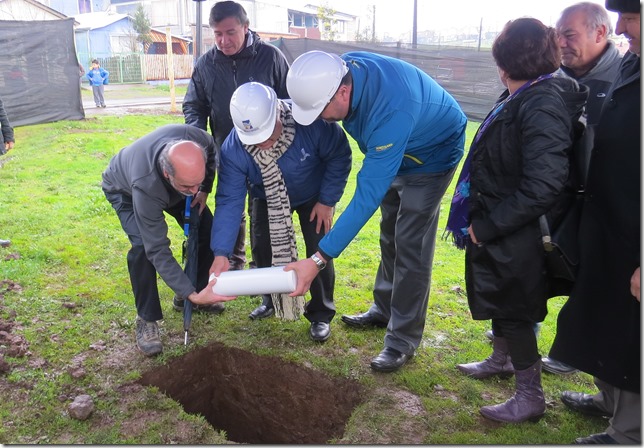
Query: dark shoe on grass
{"points": [[147, 337], [583, 403], [389, 360], [261, 312], [320, 331], [367, 319], [596, 439], [557, 367], [215, 308]]}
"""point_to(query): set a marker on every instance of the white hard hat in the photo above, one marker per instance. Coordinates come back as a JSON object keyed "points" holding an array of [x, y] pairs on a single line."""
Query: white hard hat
{"points": [[312, 80], [253, 108]]}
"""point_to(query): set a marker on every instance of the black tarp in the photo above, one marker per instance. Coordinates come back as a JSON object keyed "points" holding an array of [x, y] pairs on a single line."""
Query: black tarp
{"points": [[470, 76], [39, 72]]}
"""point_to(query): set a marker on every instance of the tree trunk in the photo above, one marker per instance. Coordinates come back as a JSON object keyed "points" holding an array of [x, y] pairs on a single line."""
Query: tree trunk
{"points": [[288, 308]]}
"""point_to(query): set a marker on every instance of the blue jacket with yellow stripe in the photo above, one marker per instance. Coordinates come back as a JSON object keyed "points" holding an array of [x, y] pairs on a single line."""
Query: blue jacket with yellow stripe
{"points": [[404, 123]]}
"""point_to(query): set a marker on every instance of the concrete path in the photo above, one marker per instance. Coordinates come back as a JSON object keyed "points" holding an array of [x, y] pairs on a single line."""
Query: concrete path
{"points": [[131, 105]]}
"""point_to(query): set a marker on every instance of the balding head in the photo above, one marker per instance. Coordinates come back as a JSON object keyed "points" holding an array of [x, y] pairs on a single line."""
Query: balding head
{"points": [[184, 165]]}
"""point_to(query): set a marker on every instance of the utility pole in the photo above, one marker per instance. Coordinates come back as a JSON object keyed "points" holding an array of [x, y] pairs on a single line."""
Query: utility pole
{"points": [[196, 47], [373, 27], [414, 27], [480, 33]]}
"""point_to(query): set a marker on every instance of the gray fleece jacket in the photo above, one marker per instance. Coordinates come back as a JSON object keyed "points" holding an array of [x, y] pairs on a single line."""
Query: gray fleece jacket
{"points": [[134, 171]]}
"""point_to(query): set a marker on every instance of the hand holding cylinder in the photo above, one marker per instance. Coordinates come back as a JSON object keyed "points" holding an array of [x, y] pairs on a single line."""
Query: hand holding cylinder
{"points": [[208, 296], [306, 270]]}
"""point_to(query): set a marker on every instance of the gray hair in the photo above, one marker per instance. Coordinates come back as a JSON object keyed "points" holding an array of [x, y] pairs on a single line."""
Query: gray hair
{"points": [[164, 156], [595, 16]]}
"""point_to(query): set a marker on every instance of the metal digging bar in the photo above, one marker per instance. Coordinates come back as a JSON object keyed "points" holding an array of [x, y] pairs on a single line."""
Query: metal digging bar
{"points": [[190, 257]]}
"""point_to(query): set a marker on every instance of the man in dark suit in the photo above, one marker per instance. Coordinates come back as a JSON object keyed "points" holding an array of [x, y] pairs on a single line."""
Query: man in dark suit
{"points": [[598, 329]]}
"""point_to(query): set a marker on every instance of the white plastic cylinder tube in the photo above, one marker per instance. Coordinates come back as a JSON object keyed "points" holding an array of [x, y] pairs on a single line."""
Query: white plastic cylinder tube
{"points": [[258, 281]]}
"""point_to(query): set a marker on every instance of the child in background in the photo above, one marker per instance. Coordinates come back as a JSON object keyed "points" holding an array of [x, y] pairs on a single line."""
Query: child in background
{"points": [[98, 77]]}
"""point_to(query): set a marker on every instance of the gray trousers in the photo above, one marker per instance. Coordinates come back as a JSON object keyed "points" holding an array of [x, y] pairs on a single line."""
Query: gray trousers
{"points": [[98, 95], [625, 425], [408, 227]]}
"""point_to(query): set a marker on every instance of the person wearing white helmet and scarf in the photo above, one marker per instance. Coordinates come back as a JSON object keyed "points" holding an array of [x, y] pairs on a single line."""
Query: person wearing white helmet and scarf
{"points": [[289, 167]]}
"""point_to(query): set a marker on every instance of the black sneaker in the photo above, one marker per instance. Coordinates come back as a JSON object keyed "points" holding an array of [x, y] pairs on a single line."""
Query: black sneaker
{"points": [[215, 308], [147, 337]]}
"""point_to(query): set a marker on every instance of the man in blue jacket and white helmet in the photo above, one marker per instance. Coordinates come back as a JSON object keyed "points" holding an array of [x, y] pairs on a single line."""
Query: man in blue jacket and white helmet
{"points": [[412, 133], [289, 167]]}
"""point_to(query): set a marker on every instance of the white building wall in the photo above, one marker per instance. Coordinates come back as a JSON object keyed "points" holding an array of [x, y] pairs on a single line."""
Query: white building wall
{"points": [[19, 10]]}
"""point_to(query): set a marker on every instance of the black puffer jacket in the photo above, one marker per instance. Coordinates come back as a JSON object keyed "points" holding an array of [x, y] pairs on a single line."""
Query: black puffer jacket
{"points": [[216, 76], [519, 171]]}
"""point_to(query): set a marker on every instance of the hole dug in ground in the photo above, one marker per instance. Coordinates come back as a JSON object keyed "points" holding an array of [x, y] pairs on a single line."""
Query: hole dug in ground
{"points": [[258, 399]]}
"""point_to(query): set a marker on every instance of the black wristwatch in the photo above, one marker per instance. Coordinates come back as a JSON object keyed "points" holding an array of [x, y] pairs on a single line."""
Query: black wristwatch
{"points": [[320, 263]]}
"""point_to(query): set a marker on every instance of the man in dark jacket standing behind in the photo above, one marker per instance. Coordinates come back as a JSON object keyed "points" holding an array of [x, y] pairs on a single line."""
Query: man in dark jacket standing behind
{"points": [[239, 56], [598, 329], [589, 56]]}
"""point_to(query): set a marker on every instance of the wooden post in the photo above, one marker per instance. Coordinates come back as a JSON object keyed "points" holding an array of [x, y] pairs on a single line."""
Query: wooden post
{"points": [[170, 56]]}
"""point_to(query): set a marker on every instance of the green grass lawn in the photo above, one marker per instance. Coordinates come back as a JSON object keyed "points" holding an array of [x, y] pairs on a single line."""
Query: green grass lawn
{"points": [[64, 289]]}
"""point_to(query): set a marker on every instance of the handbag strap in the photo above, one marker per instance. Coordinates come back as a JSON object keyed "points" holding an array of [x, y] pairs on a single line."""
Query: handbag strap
{"points": [[545, 233]]}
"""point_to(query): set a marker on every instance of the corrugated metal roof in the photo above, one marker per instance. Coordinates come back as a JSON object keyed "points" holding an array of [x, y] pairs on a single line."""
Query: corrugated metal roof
{"points": [[94, 20], [158, 35]]}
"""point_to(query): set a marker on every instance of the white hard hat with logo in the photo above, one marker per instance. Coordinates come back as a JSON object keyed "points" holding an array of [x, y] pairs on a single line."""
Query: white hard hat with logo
{"points": [[253, 108], [312, 80]]}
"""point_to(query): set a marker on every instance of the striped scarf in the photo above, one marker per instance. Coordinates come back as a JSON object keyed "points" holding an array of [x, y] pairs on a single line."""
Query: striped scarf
{"points": [[280, 221]]}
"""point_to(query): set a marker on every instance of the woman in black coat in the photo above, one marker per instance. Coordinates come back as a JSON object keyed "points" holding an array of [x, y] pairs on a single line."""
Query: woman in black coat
{"points": [[517, 170]]}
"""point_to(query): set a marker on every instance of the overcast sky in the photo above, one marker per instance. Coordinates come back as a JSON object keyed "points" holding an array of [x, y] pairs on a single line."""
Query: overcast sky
{"points": [[395, 16]]}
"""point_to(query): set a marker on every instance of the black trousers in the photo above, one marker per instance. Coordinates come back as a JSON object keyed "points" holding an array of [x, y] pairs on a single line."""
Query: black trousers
{"points": [[321, 307], [522, 341], [143, 275], [238, 258]]}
